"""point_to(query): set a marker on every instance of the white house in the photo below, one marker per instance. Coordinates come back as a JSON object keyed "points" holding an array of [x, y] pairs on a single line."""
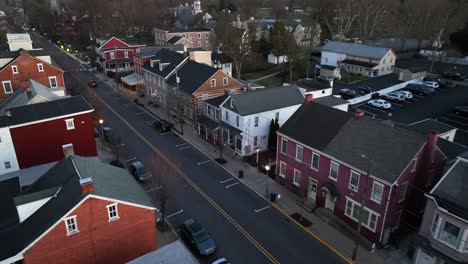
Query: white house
{"points": [[8, 160], [222, 61], [246, 117], [357, 59], [277, 57]]}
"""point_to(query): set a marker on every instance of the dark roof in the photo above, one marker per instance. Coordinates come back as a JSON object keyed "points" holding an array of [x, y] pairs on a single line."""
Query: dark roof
{"points": [[221, 58], [174, 39], [328, 67], [192, 75], [8, 189], [451, 149], [428, 125], [123, 60], [170, 60], [358, 50], [360, 63], [40, 111], [148, 51], [331, 101], [183, 29], [217, 101], [207, 122], [264, 100], [15, 54], [450, 192], [312, 85], [376, 83], [347, 138]]}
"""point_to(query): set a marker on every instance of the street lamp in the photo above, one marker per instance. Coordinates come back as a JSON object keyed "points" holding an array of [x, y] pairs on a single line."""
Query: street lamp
{"points": [[258, 150], [101, 121]]}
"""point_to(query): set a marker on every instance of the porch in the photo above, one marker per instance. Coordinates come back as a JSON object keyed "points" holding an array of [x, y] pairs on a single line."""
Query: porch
{"points": [[209, 130], [232, 138], [118, 65]]}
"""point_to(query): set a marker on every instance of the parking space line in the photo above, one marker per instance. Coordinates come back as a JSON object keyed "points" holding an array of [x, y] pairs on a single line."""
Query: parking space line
{"points": [[132, 159], [181, 145], [464, 118], [261, 209], [230, 185], [373, 115], [140, 113], [154, 189], [184, 147], [451, 120], [203, 162], [375, 108], [176, 213], [149, 122], [168, 132], [226, 180]]}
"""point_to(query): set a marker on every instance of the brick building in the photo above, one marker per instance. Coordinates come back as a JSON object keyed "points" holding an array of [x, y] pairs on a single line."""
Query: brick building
{"points": [[189, 37], [116, 55], [71, 214]]}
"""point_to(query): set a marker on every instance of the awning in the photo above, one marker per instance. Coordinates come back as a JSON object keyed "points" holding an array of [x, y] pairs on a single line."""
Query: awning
{"points": [[133, 79], [331, 188], [208, 122]]}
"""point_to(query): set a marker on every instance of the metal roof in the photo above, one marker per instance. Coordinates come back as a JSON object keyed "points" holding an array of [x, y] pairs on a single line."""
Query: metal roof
{"points": [[358, 50]]}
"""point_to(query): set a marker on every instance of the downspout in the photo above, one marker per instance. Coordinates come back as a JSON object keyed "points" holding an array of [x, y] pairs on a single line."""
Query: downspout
{"points": [[385, 213]]}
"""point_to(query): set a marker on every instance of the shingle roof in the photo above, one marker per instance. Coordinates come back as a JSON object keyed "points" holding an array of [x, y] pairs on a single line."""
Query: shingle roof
{"points": [[170, 60], [15, 54], [426, 126], [148, 51], [331, 101], [217, 101], [220, 57], [192, 75], [340, 135], [313, 85], [376, 83], [264, 100], [358, 50], [8, 189], [40, 111]]}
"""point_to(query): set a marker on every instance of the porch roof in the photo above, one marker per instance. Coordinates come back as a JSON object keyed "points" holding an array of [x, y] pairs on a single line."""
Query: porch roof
{"points": [[226, 125], [208, 122], [115, 61], [360, 63]]}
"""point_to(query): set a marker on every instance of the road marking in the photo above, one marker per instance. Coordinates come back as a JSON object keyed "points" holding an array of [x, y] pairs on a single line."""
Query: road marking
{"points": [[451, 120], [181, 145], [149, 122], [140, 113], [226, 180], [370, 113], [458, 116], [132, 159], [261, 209], [375, 108], [176, 213], [168, 132], [154, 189], [184, 147], [203, 162], [230, 185]]}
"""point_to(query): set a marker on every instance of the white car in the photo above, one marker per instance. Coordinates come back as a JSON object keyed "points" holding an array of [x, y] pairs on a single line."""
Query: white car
{"points": [[221, 261], [394, 97], [406, 94], [379, 103], [434, 85]]}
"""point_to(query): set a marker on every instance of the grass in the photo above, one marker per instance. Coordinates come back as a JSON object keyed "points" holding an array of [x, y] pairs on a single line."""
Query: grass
{"points": [[354, 78], [273, 81], [256, 75]]}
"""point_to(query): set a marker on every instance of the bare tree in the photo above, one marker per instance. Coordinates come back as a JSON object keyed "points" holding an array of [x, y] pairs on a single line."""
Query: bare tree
{"points": [[338, 16], [371, 18]]}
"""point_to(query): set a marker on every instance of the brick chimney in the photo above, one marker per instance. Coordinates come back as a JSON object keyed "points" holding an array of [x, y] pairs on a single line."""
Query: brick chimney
{"points": [[29, 94], [68, 150], [23, 52], [431, 145], [87, 185], [308, 98]]}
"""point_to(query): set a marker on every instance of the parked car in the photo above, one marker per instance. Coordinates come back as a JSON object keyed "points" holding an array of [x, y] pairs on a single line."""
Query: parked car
{"points": [[453, 76], [461, 110], [419, 89], [138, 170], [347, 94], [365, 89], [394, 97], [379, 103], [92, 83], [162, 125], [406, 94], [434, 85], [197, 237], [221, 261]]}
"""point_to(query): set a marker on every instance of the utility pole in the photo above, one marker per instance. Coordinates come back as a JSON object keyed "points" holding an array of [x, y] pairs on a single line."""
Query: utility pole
{"points": [[181, 118], [361, 208]]}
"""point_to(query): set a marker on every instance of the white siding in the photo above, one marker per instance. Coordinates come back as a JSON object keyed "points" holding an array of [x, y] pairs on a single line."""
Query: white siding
{"points": [[7, 153], [26, 210], [331, 58]]}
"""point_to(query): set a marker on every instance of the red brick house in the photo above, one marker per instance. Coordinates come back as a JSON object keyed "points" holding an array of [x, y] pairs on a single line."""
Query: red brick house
{"points": [[116, 55], [71, 214], [189, 37], [17, 73], [325, 155], [38, 133]]}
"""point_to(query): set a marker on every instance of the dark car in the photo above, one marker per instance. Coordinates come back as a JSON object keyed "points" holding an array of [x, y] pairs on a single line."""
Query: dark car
{"points": [[453, 76], [138, 170], [365, 89], [347, 94], [162, 125], [92, 83], [419, 89], [461, 110], [197, 237]]}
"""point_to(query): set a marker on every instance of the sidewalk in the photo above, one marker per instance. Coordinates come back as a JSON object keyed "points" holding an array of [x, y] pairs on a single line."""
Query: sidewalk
{"points": [[260, 183]]}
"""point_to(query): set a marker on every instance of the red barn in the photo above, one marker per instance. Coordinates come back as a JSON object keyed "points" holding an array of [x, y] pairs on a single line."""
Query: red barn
{"points": [[71, 214], [117, 56]]}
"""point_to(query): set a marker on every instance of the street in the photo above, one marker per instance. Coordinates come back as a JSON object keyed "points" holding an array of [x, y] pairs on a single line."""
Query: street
{"points": [[245, 229]]}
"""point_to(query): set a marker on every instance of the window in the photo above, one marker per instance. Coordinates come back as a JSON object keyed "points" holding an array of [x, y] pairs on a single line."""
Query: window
{"points": [[225, 81], [255, 141], [334, 169], [299, 152], [14, 69], [207, 44], [450, 234], [213, 82], [277, 116], [435, 225], [256, 121], [112, 55], [237, 121], [53, 82], [70, 124], [71, 225], [297, 178], [7, 87], [190, 39], [206, 35], [315, 161], [184, 35], [413, 165], [199, 35], [368, 217], [199, 44], [284, 146], [205, 96], [7, 165], [226, 116], [402, 192], [377, 192], [282, 170], [397, 221], [40, 67], [126, 54], [354, 181], [112, 211]]}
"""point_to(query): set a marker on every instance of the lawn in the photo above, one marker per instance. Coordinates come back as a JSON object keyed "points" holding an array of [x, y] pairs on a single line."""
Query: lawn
{"points": [[355, 78], [256, 75], [273, 81]]}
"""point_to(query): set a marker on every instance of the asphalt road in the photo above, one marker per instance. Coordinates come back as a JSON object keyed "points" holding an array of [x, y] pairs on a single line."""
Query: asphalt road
{"points": [[199, 187]]}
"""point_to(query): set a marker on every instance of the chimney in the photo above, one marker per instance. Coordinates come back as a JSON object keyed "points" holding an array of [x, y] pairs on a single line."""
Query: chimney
{"points": [[219, 66], [23, 52], [87, 185], [308, 98], [68, 150], [431, 145], [359, 114], [29, 94], [8, 113], [185, 49]]}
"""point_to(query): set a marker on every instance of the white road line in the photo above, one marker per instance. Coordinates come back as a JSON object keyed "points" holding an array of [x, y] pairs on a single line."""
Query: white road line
{"points": [[230, 185], [168, 132], [184, 147], [181, 145], [203, 162], [451, 120], [261, 209], [459, 116], [156, 188], [226, 180], [132, 159], [176, 213], [149, 122]]}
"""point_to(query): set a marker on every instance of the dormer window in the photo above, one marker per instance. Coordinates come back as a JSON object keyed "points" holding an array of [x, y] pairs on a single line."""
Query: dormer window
{"points": [[225, 81], [213, 82], [71, 225], [14, 69]]}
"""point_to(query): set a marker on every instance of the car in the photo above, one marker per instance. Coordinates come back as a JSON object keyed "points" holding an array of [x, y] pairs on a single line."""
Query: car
{"points": [[138, 170], [461, 110], [221, 261], [347, 94], [162, 125], [406, 94], [394, 97], [198, 238], [419, 89], [379, 103], [92, 83], [434, 85], [365, 89], [453, 76]]}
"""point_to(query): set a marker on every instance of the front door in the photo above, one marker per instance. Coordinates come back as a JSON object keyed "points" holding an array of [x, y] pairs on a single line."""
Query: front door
{"points": [[312, 194], [329, 201]]}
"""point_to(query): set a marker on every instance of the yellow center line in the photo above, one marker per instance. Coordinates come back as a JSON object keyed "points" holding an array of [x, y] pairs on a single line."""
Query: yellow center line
{"points": [[189, 181]]}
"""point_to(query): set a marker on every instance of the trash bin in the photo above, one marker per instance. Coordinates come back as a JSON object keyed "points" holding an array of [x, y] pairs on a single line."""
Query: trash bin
{"points": [[106, 131], [241, 174], [272, 197]]}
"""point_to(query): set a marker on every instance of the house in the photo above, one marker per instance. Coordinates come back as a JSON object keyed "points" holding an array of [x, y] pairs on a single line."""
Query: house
{"points": [[222, 61], [79, 211], [246, 117], [315, 88], [194, 83], [333, 101], [36, 134], [443, 233], [337, 160], [143, 56], [277, 57], [209, 121], [193, 9], [173, 253], [190, 37], [116, 55], [17, 71], [358, 59]]}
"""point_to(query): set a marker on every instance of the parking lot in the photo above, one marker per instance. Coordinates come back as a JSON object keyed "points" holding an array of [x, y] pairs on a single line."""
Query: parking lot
{"points": [[438, 105]]}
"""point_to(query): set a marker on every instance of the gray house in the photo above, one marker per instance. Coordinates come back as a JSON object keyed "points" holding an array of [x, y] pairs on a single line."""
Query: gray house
{"points": [[443, 235]]}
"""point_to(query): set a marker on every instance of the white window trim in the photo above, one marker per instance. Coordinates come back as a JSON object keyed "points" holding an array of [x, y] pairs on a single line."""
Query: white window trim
{"points": [[126, 54], [76, 225], [356, 189], [371, 212], [283, 141], [213, 82], [461, 234], [298, 183], [338, 173], [50, 82], [372, 193], [285, 168], [13, 68], [225, 81], [403, 197], [297, 152], [312, 162], [414, 164], [4, 88], [73, 122], [40, 67], [116, 212]]}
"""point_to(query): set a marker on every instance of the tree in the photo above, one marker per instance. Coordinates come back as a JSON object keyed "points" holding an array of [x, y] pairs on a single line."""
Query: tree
{"points": [[460, 39], [371, 18], [272, 138], [293, 51], [338, 17]]}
